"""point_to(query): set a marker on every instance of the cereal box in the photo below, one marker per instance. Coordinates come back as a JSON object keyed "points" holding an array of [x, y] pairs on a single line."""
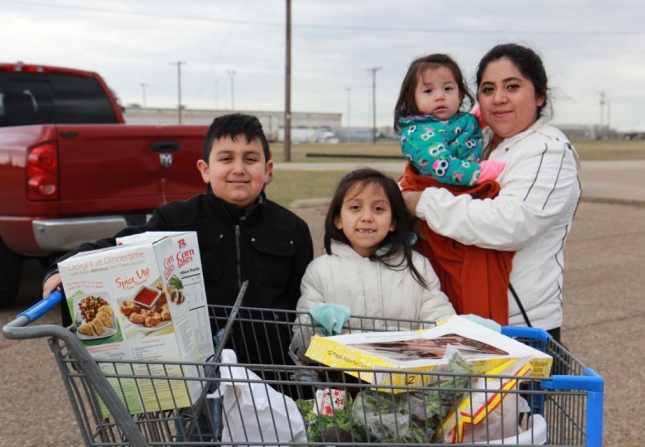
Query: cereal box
{"points": [[143, 300]]}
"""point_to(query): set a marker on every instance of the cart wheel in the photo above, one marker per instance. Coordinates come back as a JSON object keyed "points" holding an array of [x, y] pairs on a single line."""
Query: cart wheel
{"points": [[10, 274]]}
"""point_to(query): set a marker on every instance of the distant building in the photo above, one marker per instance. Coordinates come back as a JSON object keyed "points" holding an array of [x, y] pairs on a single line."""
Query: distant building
{"points": [[272, 122], [579, 131]]}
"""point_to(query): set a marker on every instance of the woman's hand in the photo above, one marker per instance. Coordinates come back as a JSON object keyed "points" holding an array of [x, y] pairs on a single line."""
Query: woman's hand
{"points": [[411, 199], [52, 283]]}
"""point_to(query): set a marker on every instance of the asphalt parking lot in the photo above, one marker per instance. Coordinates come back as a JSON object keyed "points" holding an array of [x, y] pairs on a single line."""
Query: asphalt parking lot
{"points": [[604, 318]]}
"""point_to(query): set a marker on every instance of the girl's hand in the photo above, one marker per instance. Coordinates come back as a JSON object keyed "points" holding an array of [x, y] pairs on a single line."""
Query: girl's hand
{"points": [[490, 170], [52, 283], [411, 199]]}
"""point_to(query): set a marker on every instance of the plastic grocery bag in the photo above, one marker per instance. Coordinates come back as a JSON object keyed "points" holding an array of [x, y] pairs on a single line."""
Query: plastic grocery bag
{"points": [[491, 412], [255, 412]]}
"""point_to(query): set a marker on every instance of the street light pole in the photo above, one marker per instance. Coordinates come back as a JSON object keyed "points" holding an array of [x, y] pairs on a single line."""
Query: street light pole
{"points": [[216, 98], [231, 73], [601, 131], [143, 88], [609, 118], [374, 70], [349, 91], [178, 64]]}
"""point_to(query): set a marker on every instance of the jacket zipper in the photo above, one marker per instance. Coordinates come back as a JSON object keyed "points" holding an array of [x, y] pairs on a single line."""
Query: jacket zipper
{"points": [[237, 252]]}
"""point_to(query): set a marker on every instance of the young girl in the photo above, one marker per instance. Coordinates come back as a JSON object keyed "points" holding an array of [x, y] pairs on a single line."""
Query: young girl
{"points": [[436, 137], [369, 265]]}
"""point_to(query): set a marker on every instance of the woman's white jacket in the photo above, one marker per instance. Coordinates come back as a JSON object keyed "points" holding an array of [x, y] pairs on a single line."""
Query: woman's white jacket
{"points": [[372, 289], [532, 216]]}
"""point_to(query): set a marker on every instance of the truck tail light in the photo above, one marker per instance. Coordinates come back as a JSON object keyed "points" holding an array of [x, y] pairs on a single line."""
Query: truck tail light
{"points": [[42, 173]]}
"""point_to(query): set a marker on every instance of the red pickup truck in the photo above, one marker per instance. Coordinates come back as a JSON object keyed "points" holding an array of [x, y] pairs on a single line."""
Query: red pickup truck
{"points": [[71, 170]]}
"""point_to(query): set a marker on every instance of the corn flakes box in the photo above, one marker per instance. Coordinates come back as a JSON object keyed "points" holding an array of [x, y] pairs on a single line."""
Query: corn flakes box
{"points": [[143, 300]]}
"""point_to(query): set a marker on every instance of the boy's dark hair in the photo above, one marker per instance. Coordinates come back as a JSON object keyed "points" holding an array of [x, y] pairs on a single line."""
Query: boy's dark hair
{"points": [[527, 62], [399, 239], [406, 105], [233, 125]]}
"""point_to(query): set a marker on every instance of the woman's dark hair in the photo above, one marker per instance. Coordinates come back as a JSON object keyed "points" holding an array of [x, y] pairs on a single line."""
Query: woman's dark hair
{"points": [[397, 240], [406, 105], [527, 62], [235, 125]]}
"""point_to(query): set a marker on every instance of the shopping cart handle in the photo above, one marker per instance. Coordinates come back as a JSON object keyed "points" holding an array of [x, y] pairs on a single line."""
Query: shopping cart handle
{"points": [[42, 307], [526, 332]]}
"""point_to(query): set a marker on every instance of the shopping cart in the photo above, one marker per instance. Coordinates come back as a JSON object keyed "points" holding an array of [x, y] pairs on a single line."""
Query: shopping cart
{"points": [[565, 408]]}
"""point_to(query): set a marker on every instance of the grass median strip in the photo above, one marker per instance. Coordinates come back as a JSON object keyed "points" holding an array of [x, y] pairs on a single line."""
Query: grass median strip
{"points": [[290, 185]]}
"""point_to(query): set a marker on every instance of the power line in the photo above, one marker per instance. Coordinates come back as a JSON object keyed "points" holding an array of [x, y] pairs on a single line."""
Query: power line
{"points": [[223, 45], [504, 31]]}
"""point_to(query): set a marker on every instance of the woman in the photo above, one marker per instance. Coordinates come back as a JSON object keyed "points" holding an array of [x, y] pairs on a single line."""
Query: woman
{"points": [[533, 212]]}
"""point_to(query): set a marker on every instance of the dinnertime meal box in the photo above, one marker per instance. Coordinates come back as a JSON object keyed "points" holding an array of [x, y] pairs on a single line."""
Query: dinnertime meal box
{"points": [[422, 351], [143, 300]]}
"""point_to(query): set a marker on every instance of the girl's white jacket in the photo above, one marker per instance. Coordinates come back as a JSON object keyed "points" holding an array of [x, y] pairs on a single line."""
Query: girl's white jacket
{"points": [[532, 216], [372, 289]]}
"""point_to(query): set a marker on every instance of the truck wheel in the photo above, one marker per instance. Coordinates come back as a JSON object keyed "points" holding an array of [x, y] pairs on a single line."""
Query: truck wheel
{"points": [[10, 274]]}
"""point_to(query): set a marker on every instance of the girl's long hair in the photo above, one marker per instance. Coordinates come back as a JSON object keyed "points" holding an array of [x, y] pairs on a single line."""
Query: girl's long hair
{"points": [[397, 240]]}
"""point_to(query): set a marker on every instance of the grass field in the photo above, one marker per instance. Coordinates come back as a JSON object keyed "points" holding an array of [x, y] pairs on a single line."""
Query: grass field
{"points": [[288, 186], [588, 150]]}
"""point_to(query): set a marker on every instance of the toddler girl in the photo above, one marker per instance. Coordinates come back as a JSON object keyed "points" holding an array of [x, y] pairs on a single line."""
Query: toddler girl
{"points": [[436, 137]]}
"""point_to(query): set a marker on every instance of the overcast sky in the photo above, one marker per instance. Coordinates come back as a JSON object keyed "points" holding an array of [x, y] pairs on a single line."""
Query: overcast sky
{"points": [[588, 47]]}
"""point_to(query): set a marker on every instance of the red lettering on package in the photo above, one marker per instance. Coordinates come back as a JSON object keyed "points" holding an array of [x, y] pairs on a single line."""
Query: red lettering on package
{"points": [[125, 283], [168, 266], [184, 257]]}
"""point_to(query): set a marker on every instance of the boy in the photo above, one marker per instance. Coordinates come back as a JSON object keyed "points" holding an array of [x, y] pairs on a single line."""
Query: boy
{"points": [[242, 235]]}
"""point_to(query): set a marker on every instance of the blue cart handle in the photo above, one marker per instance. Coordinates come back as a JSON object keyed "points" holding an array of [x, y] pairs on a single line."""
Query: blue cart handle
{"points": [[533, 333], [42, 307], [17, 329]]}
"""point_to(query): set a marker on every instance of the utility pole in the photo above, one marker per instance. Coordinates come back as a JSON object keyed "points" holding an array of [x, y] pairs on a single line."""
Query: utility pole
{"points": [[178, 64], [232, 74], [287, 87], [374, 70]]}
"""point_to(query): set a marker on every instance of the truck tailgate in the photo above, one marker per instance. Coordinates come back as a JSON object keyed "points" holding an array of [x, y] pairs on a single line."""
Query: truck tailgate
{"points": [[127, 168]]}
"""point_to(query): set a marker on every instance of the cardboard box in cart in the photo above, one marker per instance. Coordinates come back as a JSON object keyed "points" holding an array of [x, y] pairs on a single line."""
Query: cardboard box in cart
{"points": [[422, 351], [143, 300]]}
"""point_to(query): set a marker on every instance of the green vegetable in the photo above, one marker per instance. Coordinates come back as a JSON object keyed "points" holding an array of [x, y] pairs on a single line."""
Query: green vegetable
{"points": [[175, 282], [338, 427], [414, 417], [386, 417]]}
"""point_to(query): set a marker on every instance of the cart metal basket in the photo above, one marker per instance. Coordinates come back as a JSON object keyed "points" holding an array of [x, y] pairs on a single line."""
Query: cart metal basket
{"points": [[565, 408]]}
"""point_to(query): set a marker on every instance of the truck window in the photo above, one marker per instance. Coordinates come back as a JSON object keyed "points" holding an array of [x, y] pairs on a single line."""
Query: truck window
{"points": [[27, 98], [80, 101]]}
